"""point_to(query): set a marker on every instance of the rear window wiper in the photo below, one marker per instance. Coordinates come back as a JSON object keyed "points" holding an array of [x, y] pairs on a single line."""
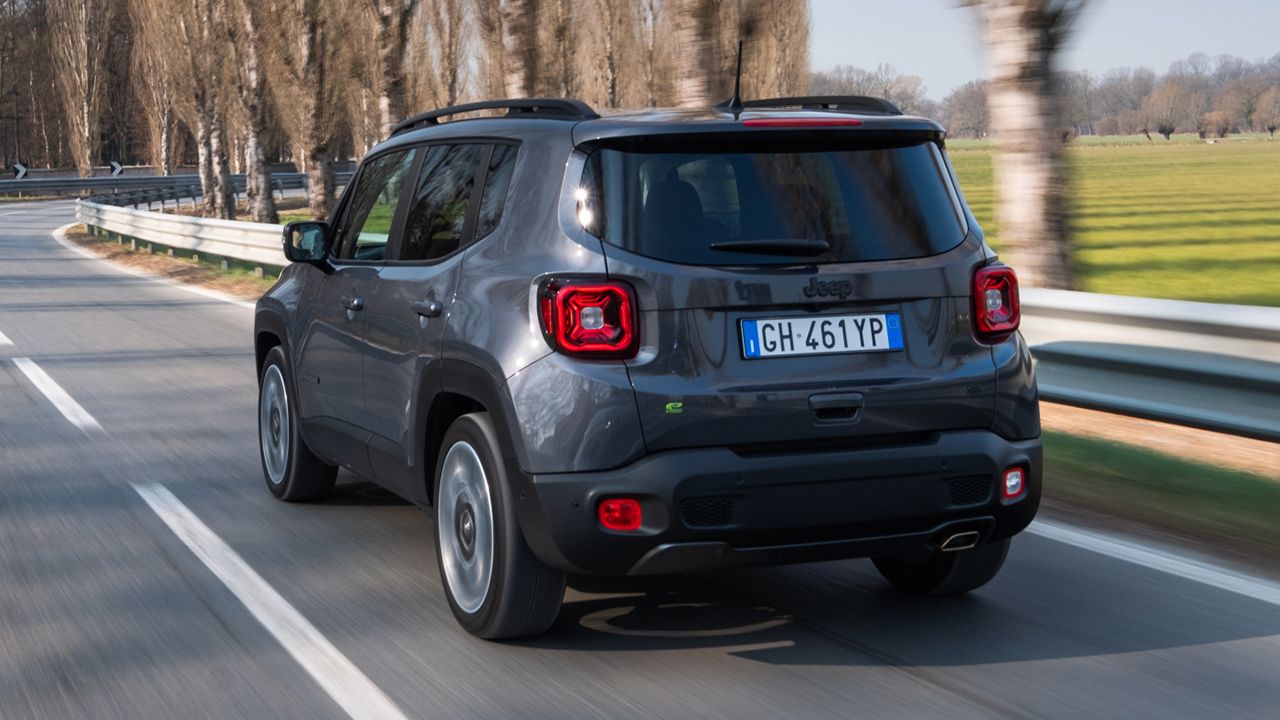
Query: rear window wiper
{"points": [[782, 246]]}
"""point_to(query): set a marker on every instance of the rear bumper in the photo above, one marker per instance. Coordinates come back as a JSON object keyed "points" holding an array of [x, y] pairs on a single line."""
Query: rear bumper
{"points": [[713, 507]]}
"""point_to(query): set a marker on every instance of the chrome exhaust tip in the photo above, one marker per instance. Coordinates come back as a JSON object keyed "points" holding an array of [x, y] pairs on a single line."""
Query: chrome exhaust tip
{"points": [[960, 541]]}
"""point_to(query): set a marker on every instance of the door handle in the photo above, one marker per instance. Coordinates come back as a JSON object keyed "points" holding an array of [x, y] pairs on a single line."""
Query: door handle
{"points": [[353, 303], [429, 308]]}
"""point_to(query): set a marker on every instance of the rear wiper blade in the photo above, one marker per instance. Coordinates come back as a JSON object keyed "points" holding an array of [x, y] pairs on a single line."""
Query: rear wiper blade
{"points": [[783, 246]]}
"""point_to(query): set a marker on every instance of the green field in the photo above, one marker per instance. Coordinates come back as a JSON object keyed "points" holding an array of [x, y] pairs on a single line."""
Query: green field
{"points": [[1183, 219]]}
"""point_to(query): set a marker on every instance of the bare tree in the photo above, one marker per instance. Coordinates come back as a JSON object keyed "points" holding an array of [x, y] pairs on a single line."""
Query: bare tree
{"points": [[394, 18], [1217, 123], [306, 84], [696, 63], [561, 76], [492, 60], [80, 33], [1023, 40], [245, 38], [965, 110], [1267, 116], [438, 45], [520, 46], [1166, 107], [153, 88], [905, 91]]}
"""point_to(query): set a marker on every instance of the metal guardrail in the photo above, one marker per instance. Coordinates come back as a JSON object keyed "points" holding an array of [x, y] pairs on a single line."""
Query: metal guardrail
{"points": [[1207, 365], [257, 243], [1204, 365], [102, 185]]}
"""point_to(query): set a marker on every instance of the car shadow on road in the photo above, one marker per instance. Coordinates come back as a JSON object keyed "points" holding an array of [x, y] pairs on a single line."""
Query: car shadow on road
{"points": [[843, 614]]}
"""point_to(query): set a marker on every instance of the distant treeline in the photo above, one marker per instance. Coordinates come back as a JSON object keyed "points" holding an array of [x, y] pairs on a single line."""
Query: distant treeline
{"points": [[1209, 96]]}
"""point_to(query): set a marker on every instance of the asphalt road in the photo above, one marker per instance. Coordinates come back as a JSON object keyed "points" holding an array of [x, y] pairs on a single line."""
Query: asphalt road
{"points": [[105, 612]]}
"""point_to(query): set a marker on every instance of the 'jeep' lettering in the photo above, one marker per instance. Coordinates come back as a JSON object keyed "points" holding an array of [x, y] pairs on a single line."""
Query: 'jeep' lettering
{"points": [[835, 288]]}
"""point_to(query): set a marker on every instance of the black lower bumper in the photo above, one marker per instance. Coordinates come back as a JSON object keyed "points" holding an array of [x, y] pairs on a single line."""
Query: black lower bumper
{"points": [[712, 507]]}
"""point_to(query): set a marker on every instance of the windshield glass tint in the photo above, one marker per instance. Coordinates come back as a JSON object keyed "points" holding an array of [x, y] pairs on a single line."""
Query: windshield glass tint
{"points": [[881, 203]]}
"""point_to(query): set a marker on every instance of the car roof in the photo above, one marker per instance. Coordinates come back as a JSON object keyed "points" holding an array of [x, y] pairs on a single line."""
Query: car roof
{"points": [[646, 121]]}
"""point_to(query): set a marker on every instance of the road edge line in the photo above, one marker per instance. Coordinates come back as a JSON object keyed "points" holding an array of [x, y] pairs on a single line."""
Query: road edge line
{"points": [[1166, 561], [60, 235], [341, 680], [61, 400]]}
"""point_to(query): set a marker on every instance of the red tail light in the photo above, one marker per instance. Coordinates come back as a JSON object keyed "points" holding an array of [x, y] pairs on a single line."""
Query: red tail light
{"points": [[589, 318], [620, 514], [995, 302], [1014, 483]]}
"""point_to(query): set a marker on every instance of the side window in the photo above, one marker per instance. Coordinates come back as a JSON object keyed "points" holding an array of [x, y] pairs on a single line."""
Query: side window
{"points": [[367, 226], [501, 166], [439, 210]]}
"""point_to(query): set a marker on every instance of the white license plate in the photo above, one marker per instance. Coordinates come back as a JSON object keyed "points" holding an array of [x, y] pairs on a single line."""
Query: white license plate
{"points": [[820, 335]]}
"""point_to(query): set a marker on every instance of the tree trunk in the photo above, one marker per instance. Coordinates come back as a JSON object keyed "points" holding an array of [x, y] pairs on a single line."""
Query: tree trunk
{"points": [[262, 204], [695, 52], [319, 180], [224, 204], [1031, 193], [204, 165], [520, 45]]}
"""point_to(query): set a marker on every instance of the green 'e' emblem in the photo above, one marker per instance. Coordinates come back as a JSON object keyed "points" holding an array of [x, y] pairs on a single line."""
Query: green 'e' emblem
{"points": [[675, 408]]}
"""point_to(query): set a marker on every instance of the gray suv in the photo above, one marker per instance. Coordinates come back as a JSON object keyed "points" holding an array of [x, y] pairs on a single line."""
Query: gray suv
{"points": [[655, 343]]}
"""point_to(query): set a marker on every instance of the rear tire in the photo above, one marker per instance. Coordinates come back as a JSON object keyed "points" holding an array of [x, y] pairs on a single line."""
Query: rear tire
{"points": [[293, 473], [496, 587], [945, 573]]}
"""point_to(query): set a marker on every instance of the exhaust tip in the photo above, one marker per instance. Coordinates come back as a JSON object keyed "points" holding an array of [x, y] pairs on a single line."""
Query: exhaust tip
{"points": [[960, 541]]}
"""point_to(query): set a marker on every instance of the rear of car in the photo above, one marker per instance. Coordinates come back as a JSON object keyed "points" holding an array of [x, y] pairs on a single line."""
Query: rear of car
{"points": [[822, 349]]}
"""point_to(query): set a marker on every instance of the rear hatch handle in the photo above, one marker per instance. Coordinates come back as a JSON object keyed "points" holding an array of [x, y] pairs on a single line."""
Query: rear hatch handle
{"points": [[836, 408]]}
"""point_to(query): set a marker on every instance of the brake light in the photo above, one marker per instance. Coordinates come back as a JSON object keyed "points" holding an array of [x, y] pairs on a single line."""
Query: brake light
{"points": [[995, 302], [801, 122], [620, 514], [589, 318]]}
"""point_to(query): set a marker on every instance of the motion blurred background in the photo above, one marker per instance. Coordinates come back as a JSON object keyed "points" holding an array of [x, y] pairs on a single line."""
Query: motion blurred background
{"points": [[1120, 155]]}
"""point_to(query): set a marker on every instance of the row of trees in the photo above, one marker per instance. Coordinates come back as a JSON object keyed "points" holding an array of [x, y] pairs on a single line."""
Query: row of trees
{"points": [[238, 84], [1208, 96]]}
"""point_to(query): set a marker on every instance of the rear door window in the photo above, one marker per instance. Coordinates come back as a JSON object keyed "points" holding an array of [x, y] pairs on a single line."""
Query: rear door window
{"points": [[884, 202], [501, 165], [437, 217]]}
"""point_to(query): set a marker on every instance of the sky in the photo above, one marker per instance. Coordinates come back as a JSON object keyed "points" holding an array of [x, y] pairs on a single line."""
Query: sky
{"points": [[940, 41]]}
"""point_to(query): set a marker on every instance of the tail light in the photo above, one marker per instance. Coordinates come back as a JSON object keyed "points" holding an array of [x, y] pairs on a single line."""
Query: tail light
{"points": [[620, 514], [995, 302], [589, 318]]}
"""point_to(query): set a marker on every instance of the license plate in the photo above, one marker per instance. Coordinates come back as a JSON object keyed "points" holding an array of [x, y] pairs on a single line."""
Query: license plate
{"points": [[820, 335]]}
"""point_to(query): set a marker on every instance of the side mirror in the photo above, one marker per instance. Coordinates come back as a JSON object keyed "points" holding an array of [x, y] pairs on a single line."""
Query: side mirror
{"points": [[307, 242]]}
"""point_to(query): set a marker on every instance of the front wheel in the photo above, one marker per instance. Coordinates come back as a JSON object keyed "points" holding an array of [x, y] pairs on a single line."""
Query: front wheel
{"points": [[945, 573], [292, 471], [497, 588]]}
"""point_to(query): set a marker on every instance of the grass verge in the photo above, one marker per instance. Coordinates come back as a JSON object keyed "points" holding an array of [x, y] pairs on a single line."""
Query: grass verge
{"points": [[237, 280], [1229, 509], [1184, 219]]}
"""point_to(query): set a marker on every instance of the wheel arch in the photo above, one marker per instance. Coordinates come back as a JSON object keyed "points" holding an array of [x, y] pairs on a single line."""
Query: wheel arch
{"points": [[464, 388]]}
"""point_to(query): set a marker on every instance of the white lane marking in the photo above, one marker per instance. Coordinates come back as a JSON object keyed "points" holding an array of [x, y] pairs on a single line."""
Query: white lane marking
{"points": [[65, 404], [1267, 591], [4, 340], [61, 236], [336, 674]]}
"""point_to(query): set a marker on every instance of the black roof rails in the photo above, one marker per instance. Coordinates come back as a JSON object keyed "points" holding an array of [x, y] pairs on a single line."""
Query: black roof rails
{"points": [[854, 103], [553, 108]]}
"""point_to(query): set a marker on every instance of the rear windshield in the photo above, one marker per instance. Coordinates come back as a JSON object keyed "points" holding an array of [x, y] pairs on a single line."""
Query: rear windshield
{"points": [[887, 202]]}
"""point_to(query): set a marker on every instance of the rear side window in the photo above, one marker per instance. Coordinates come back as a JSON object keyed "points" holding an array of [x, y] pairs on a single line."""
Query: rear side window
{"points": [[438, 214], [501, 164], [367, 225], [885, 202]]}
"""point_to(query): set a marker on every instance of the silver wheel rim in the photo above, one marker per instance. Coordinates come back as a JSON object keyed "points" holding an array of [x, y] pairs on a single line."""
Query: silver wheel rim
{"points": [[273, 424], [464, 515]]}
